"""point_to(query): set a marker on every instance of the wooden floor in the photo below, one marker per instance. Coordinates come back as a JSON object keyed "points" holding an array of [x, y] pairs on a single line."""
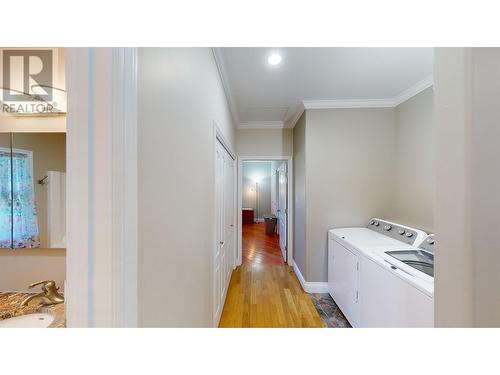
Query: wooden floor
{"points": [[264, 291], [259, 247]]}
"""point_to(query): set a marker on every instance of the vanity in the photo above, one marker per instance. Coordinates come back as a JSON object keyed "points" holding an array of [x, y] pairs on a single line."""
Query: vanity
{"points": [[33, 315]]}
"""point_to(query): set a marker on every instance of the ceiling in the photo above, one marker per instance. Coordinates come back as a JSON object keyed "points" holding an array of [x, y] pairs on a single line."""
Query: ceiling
{"points": [[265, 96]]}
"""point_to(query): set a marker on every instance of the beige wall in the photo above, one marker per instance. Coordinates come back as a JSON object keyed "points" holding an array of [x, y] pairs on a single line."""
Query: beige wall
{"points": [[299, 193], [180, 96], [485, 186], [264, 142], [467, 257], [415, 162], [348, 169], [353, 164], [21, 267]]}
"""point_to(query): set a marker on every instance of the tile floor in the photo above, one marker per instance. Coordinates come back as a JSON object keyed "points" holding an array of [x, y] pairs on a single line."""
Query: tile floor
{"points": [[328, 310]]}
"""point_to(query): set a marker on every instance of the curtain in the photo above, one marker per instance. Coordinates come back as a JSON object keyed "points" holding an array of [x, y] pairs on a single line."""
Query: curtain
{"points": [[5, 201], [22, 227]]}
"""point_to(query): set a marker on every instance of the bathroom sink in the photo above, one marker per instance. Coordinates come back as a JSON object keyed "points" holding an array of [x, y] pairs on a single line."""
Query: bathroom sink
{"points": [[38, 320]]}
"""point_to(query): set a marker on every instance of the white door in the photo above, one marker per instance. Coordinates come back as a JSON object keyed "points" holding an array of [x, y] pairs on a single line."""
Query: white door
{"points": [[229, 215], [282, 209], [274, 192], [225, 227], [219, 206], [343, 279]]}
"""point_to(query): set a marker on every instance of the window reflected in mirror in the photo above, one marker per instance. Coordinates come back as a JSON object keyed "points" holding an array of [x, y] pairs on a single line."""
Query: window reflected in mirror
{"points": [[5, 191], [33, 190]]}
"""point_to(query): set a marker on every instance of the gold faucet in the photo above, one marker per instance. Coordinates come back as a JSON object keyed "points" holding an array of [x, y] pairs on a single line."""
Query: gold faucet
{"points": [[48, 296]]}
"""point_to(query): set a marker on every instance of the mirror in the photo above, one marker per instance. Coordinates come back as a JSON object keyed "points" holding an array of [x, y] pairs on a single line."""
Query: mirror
{"points": [[32, 190]]}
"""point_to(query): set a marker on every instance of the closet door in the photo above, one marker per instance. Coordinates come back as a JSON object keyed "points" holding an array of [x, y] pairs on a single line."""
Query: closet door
{"points": [[229, 215], [219, 218], [225, 226]]}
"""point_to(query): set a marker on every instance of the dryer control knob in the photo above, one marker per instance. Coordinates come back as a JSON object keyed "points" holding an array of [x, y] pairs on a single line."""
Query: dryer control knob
{"points": [[409, 234], [377, 223], [372, 222], [387, 227], [401, 231]]}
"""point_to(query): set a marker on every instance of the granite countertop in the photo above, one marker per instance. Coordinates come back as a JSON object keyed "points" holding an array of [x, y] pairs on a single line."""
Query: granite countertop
{"points": [[9, 303]]}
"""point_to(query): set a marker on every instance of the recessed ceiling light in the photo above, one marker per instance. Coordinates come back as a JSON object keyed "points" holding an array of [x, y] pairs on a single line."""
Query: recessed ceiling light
{"points": [[274, 59]]}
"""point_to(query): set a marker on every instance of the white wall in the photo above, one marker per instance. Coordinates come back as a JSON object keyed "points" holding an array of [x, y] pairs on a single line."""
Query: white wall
{"points": [[180, 96], [261, 171], [264, 142], [413, 202]]}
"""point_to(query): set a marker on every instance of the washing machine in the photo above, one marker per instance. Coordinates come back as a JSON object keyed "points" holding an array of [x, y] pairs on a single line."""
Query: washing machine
{"points": [[351, 251]]}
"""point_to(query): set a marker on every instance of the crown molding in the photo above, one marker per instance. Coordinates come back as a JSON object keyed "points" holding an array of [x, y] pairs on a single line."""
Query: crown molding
{"points": [[261, 125], [296, 116], [219, 61], [363, 103], [414, 90], [354, 103], [312, 104]]}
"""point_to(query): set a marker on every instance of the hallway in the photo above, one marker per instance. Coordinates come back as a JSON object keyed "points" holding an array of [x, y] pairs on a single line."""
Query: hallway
{"points": [[264, 291], [259, 247]]}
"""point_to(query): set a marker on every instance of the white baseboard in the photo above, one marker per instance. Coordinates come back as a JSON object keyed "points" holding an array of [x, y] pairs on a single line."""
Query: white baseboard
{"points": [[310, 287]]}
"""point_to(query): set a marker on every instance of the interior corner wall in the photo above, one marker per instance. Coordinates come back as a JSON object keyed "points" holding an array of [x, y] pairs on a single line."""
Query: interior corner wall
{"points": [[180, 95], [299, 193], [413, 203], [350, 158]]}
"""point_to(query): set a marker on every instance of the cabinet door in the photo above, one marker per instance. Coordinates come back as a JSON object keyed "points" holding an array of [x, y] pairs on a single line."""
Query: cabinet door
{"points": [[343, 271]]}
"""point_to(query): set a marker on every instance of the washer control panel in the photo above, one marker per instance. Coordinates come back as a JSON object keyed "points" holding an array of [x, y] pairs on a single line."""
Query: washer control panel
{"points": [[398, 232], [428, 243]]}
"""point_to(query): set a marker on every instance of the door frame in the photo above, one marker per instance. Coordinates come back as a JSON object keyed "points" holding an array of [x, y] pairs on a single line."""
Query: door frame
{"points": [[289, 161], [278, 213], [102, 185]]}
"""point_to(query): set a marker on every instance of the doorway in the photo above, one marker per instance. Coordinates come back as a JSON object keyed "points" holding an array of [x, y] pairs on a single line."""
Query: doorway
{"points": [[264, 203]]}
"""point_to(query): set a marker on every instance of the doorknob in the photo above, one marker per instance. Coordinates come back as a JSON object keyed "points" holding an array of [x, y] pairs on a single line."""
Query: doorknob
{"points": [[221, 242]]}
